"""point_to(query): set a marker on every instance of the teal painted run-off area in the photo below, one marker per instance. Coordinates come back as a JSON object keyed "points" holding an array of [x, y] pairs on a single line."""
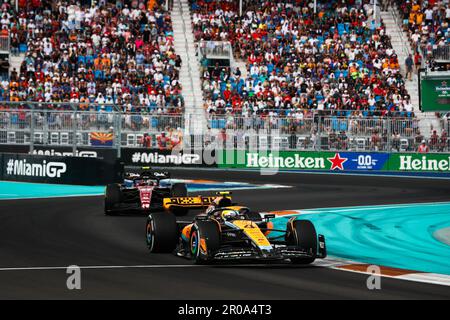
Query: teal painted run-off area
{"points": [[23, 190], [400, 236]]}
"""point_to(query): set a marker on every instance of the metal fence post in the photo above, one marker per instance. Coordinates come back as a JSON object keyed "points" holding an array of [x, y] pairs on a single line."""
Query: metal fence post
{"points": [[319, 134], [389, 135], [45, 128], [74, 133], [32, 119], [118, 133]]}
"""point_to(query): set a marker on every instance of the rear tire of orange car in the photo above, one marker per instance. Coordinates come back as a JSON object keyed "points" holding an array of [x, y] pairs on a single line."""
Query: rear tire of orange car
{"points": [[161, 232], [209, 232], [302, 233], [112, 198]]}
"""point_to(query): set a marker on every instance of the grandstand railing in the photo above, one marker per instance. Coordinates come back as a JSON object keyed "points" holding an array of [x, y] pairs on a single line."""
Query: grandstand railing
{"points": [[4, 44], [74, 128], [318, 132], [441, 53], [404, 40]]}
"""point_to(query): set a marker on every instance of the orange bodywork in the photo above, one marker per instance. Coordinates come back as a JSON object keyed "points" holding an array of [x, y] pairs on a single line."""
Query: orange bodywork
{"points": [[186, 233], [203, 245], [269, 228]]}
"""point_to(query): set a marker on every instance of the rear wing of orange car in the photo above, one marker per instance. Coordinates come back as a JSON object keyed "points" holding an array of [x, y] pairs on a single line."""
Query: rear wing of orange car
{"points": [[192, 202]]}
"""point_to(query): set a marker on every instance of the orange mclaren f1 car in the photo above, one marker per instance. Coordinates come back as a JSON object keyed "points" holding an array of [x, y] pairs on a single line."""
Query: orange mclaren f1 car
{"points": [[226, 232]]}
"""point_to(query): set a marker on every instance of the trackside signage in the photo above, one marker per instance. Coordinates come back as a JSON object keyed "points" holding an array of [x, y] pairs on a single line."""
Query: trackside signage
{"points": [[420, 162], [53, 152], [336, 161], [44, 169], [155, 157], [59, 169], [297, 161]]}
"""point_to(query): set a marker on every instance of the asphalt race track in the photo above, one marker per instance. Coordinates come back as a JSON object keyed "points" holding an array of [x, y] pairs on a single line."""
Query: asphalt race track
{"points": [[74, 231]]}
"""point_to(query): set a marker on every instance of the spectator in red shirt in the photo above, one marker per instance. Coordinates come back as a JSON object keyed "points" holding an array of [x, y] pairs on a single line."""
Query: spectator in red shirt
{"points": [[163, 141], [434, 140], [417, 60], [147, 141], [423, 148]]}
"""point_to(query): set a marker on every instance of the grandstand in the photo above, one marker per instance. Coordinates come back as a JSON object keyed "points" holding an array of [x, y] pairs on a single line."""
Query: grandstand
{"points": [[297, 74], [427, 26], [115, 57]]}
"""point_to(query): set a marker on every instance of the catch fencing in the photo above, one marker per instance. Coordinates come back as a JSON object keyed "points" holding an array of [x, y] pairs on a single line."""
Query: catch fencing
{"points": [[399, 134], [441, 53], [4, 44], [85, 128], [315, 132]]}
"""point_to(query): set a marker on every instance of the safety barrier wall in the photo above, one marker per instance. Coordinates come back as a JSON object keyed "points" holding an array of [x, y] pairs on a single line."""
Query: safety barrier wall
{"points": [[59, 169], [430, 164], [129, 156]]}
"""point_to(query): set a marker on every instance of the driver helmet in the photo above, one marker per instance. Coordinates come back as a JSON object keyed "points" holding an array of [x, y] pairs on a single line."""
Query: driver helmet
{"points": [[229, 214]]}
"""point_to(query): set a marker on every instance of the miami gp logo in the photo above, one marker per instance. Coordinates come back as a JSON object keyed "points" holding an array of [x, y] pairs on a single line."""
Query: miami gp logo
{"points": [[23, 168], [55, 169]]}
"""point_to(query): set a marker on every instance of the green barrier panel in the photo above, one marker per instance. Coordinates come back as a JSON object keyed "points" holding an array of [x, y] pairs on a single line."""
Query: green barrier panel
{"points": [[431, 162], [435, 93]]}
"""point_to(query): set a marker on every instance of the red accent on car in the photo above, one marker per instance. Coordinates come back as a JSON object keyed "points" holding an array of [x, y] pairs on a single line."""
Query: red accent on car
{"points": [[146, 196]]}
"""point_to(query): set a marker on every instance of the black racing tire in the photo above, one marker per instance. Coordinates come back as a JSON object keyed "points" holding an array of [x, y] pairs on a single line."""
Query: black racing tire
{"points": [[113, 197], [161, 232], [209, 231], [179, 190], [302, 233]]}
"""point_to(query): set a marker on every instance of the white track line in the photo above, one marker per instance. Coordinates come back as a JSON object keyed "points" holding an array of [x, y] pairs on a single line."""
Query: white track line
{"points": [[330, 263], [150, 266]]}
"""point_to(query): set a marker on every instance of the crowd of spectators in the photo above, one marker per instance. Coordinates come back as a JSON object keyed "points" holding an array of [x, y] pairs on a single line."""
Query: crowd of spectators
{"points": [[427, 25], [111, 55], [297, 61]]}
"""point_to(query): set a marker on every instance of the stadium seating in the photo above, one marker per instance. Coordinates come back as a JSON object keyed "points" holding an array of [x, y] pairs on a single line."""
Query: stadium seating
{"points": [[105, 57], [427, 24], [339, 59]]}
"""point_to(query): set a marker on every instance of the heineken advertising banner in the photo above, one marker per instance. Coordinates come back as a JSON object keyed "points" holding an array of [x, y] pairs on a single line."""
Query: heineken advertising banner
{"points": [[336, 161], [432, 162], [434, 93]]}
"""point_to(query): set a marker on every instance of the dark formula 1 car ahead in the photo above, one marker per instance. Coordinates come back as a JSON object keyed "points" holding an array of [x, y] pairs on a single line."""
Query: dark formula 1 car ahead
{"points": [[143, 191], [226, 232]]}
